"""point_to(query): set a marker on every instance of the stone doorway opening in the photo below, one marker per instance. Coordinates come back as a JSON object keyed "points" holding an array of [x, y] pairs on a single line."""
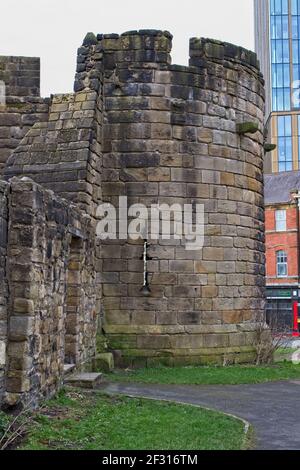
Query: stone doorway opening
{"points": [[73, 301]]}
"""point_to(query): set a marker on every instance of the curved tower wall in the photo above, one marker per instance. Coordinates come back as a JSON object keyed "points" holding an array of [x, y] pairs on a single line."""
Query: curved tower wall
{"points": [[170, 136]]}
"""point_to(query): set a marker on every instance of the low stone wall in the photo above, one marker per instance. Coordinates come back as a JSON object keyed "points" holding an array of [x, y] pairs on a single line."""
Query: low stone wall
{"points": [[51, 277], [3, 284]]}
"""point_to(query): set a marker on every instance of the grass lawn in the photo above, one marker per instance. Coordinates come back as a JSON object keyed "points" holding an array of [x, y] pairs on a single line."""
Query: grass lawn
{"points": [[79, 420], [230, 375]]}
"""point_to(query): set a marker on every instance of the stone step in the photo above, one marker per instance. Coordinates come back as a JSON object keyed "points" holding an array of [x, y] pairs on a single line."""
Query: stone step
{"points": [[84, 380], [68, 369]]}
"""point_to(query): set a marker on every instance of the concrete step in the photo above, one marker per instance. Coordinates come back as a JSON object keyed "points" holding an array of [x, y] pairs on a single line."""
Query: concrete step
{"points": [[84, 380], [68, 369]]}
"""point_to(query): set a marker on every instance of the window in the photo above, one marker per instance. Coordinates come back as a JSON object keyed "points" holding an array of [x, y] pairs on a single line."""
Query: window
{"points": [[280, 7], [294, 7], [285, 146], [282, 266], [280, 218]]}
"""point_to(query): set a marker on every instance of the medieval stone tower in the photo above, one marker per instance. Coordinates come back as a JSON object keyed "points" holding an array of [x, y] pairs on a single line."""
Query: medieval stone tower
{"points": [[157, 133]]}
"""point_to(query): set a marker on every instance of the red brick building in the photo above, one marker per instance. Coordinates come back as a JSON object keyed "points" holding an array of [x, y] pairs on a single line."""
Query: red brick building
{"points": [[282, 243]]}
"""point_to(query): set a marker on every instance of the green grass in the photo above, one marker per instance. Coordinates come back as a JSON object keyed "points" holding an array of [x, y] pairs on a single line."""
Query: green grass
{"points": [[286, 350], [4, 422], [89, 421], [230, 375]]}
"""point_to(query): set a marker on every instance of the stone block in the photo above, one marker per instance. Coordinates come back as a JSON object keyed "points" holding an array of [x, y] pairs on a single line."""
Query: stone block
{"points": [[161, 131], [187, 341], [181, 266], [209, 291], [216, 341], [189, 318], [24, 306], [104, 362], [226, 267], [233, 317], [186, 291], [20, 328], [213, 254], [192, 279], [164, 279], [85, 380], [143, 318], [172, 189], [166, 318], [2, 353], [153, 342], [18, 384], [181, 304]]}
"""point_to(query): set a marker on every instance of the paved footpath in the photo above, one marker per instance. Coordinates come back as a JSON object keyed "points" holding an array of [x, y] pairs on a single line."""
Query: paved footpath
{"points": [[272, 408]]}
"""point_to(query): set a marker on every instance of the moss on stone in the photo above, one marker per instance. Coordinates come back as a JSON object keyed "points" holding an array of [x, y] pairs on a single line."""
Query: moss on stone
{"points": [[247, 128], [269, 147], [101, 343], [17, 105], [90, 40]]}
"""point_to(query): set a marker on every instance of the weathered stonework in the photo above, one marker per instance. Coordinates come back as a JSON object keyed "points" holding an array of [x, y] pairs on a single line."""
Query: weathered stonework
{"points": [[3, 285], [170, 135], [51, 281], [139, 127]]}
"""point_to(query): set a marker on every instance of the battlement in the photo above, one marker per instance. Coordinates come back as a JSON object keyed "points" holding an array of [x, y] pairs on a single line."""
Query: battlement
{"points": [[105, 52], [144, 39], [21, 105], [21, 75], [212, 49]]}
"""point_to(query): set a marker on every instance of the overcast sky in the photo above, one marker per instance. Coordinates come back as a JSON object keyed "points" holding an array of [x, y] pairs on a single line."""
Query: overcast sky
{"points": [[54, 29]]}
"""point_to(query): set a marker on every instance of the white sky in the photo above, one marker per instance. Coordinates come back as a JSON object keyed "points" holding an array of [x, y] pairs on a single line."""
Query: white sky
{"points": [[54, 29]]}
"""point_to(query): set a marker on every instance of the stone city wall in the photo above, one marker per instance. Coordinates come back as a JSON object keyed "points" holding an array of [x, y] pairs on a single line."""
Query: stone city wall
{"points": [[57, 153], [51, 279], [140, 127], [3, 284]]}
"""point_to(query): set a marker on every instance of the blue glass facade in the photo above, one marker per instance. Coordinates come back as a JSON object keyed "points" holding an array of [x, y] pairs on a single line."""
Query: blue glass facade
{"points": [[285, 79], [280, 55], [285, 53], [295, 7]]}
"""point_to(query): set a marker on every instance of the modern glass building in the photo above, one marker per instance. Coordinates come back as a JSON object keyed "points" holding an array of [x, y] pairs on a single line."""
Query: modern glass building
{"points": [[277, 43]]}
